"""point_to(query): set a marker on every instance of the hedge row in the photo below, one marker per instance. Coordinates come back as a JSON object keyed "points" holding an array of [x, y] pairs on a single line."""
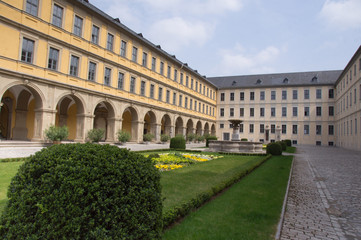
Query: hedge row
{"points": [[14, 159], [184, 208]]}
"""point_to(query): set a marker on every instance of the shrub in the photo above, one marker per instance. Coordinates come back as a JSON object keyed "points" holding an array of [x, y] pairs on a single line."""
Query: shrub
{"points": [[164, 138], [123, 136], [244, 140], [200, 138], [283, 145], [96, 134], [288, 142], [210, 138], [191, 137], [84, 191], [178, 142], [148, 137], [274, 148], [55, 133]]}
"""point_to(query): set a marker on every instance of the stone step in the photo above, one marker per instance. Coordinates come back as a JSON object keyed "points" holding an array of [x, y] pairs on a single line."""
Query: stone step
{"points": [[10, 143]]}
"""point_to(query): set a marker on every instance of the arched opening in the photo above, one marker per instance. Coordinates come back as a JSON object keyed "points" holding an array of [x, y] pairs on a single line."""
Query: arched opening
{"points": [[199, 128], [166, 125], [130, 123], [179, 126], [19, 105], [213, 130], [149, 123], [69, 113], [189, 127], [206, 129], [104, 119]]}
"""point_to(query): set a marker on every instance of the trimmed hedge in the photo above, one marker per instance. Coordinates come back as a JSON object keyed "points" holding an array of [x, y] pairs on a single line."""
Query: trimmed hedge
{"points": [[210, 138], [288, 142], [274, 148], [178, 142], [283, 145], [84, 191]]}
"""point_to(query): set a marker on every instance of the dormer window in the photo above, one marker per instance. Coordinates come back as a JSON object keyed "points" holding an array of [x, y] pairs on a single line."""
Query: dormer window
{"points": [[285, 80], [259, 81], [314, 79], [234, 83]]}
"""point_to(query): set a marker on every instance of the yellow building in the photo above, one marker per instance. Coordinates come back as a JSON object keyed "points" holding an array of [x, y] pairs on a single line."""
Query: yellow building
{"points": [[67, 63]]}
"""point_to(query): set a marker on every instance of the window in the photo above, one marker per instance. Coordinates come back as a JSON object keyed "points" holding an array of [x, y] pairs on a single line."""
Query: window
{"points": [[295, 111], [330, 111], [190, 104], [261, 112], [107, 75], [241, 128], [195, 105], [273, 95], [181, 101], [154, 63], [132, 85], [221, 125], [78, 26], [192, 81], [92, 71], [284, 129], [167, 96], [53, 58], [145, 59], [32, 7], [306, 94], [120, 80], [306, 129], [284, 95], [318, 111], [187, 81], [226, 136], [181, 78], [262, 95], [261, 128], [57, 15], [135, 54], [142, 88], [294, 94], [27, 51], [241, 112], [294, 129], [284, 111], [251, 96], [95, 35], [160, 94], [74, 66], [161, 70], [222, 112], [318, 129], [307, 111], [110, 41], [222, 97], [196, 86], [151, 91], [241, 96], [231, 96], [231, 112], [175, 74], [330, 130], [251, 112], [273, 128], [330, 93], [169, 71], [318, 93], [251, 128], [174, 98], [318, 143], [273, 112], [123, 48]]}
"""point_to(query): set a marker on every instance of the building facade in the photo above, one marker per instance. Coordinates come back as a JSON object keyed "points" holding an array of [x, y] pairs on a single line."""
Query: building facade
{"points": [[68, 63]]}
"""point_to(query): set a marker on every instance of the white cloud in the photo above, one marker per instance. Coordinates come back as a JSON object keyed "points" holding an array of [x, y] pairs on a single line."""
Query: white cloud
{"points": [[174, 33], [343, 14], [238, 61]]}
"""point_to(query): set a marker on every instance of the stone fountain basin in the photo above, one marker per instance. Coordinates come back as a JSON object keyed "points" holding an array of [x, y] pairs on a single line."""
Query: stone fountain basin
{"points": [[235, 146]]}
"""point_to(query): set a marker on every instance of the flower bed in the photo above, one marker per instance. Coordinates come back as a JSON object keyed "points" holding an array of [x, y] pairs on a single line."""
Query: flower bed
{"points": [[171, 161]]}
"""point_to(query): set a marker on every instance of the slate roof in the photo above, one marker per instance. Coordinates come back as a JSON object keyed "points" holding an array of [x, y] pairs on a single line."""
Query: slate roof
{"points": [[277, 79]]}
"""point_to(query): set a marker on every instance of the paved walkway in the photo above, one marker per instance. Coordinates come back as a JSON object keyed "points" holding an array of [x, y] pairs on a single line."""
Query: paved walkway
{"points": [[324, 200]]}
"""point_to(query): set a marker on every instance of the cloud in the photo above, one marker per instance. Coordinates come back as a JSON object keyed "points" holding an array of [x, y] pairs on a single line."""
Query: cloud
{"points": [[343, 14], [238, 61], [174, 33]]}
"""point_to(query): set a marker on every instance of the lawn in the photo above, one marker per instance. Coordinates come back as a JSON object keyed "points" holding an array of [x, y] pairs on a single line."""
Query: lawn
{"points": [[290, 149], [250, 209]]}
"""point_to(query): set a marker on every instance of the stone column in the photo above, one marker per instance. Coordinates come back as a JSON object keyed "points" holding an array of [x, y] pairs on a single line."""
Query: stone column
{"points": [[118, 122], [81, 127], [172, 131], [137, 131], [111, 130], [20, 132], [44, 118], [184, 131], [158, 128]]}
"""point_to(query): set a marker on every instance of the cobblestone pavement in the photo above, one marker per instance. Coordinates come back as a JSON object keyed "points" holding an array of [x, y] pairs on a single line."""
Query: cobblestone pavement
{"points": [[324, 200]]}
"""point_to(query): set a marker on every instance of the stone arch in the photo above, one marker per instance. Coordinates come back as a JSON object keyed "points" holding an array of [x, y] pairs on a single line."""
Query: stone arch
{"points": [[104, 118], [199, 130], [130, 122], [166, 125], [150, 123], [206, 129], [179, 126], [213, 130], [190, 126], [70, 112], [21, 104]]}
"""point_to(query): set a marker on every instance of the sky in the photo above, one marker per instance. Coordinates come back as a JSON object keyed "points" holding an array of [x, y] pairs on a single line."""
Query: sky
{"points": [[242, 37]]}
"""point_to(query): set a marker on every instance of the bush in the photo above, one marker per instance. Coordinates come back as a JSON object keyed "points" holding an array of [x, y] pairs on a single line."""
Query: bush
{"points": [[84, 191], [123, 136], [178, 142], [210, 138], [164, 138], [283, 145], [55, 133], [244, 140], [288, 142], [274, 148], [148, 137], [200, 138], [96, 134], [191, 137]]}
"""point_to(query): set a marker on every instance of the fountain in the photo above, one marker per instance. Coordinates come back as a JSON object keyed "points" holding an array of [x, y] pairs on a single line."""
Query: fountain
{"points": [[235, 145]]}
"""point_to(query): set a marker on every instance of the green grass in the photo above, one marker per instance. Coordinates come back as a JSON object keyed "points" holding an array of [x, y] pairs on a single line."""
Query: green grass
{"points": [[7, 172], [250, 209], [290, 149]]}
